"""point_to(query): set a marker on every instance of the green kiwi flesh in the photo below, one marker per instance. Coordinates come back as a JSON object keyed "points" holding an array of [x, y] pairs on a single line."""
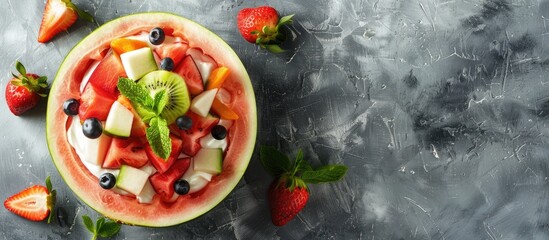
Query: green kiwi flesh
{"points": [[178, 95]]}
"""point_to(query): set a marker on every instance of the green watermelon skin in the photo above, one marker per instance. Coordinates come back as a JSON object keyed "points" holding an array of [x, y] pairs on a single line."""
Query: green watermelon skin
{"points": [[123, 208]]}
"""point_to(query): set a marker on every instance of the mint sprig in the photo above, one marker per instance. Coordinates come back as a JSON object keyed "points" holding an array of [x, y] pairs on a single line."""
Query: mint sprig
{"points": [[102, 228], [299, 172], [149, 109]]}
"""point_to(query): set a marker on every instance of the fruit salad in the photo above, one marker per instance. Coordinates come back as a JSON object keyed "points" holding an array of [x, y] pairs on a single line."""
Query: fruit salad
{"points": [[152, 118]]}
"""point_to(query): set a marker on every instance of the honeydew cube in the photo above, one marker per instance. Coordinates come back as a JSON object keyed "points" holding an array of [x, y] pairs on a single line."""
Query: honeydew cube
{"points": [[208, 160], [202, 103], [138, 62], [119, 121], [131, 179]]}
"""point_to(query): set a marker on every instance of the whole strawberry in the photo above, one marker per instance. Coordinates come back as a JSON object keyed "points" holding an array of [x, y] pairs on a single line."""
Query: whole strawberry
{"points": [[23, 91], [288, 193], [261, 26]]}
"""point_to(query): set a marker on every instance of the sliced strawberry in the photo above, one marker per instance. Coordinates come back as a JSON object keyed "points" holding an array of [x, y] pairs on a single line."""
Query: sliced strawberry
{"points": [[95, 104], [189, 71], [105, 76], [163, 182], [163, 165], [176, 51], [34, 203], [58, 16], [129, 151]]}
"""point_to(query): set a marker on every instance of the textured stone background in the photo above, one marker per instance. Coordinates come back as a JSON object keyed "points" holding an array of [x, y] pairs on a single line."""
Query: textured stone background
{"points": [[438, 107]]}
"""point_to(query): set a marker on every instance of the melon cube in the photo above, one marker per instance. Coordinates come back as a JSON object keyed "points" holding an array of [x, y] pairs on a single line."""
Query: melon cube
{"points": [[131, 179], [119, 121], [138, 62]]}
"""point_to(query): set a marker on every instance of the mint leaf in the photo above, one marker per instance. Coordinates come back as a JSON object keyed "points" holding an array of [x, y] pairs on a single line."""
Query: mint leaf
{"points": [[160, 101], [158, 136], [328, 173], [275, 162], [300, 164], [109, 229], [136, 93], [88, 223]]}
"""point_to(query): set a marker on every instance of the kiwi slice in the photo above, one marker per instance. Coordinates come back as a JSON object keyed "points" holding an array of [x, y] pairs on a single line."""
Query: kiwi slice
{"points": [[178, 95]]}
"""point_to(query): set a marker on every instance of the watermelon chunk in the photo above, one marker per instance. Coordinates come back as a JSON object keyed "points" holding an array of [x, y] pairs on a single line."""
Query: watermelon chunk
{"points": [[189, 71], [129, 151], [163, 182], [163, 165], [191, 138], [176, 51], [105, 76], [94, 103]]}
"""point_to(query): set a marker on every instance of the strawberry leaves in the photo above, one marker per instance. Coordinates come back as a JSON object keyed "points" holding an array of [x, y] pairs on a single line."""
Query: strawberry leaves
{"points": [[29, 81], [51, 198], [298, 172]]}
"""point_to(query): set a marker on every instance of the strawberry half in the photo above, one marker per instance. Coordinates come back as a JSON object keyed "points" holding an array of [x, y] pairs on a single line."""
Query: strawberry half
{"points": [[23, 92], [58, 16], [288, 193], [34, 203], [261, 26]]}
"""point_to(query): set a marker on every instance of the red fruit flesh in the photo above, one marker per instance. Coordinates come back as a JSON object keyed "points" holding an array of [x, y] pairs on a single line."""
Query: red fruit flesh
{"points": [[31, 203], [163, 165], [20, 99], [254, 19], [105, 77], [200, 127], [286, 204], [175, 51], [95, 104], [189, 71], [126, 151], [163, 182], [57, 17]]}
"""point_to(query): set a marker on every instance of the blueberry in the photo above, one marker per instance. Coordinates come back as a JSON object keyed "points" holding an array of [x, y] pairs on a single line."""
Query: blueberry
{"points": [[181, 187], [184, 122], [70, 107], [219, 132], [157, 36], [92, 128], [167, 64], [107, 180]]}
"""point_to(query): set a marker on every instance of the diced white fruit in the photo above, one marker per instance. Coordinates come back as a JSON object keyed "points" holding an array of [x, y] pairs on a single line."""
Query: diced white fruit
{"points": [[196, 179], [87, 75], [91, 151], [224, 95], [138, 62], [209, 141], [208, 160], [202, 103], [131, 179], [173, 198], [148, 168], [119, 121], [204, 63], [147, 193]]}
